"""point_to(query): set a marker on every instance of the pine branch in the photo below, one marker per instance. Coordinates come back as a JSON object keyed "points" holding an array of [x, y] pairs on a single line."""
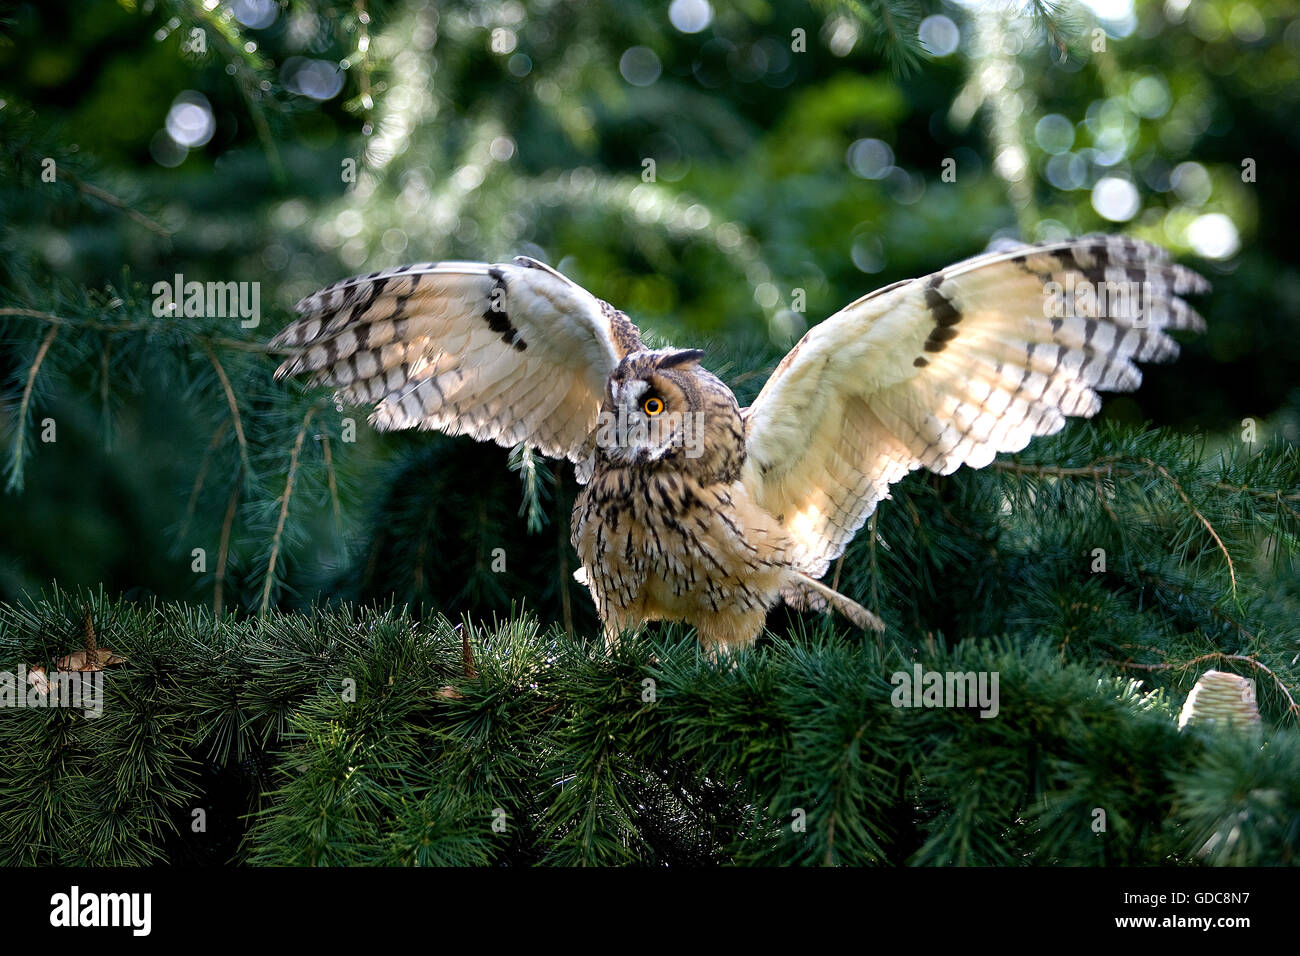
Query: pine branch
{"points": [[109, 199], [333, 484], [15, 482], [278, 537], [892, 26], [1105, 467], [223, 549], [202, 475], [714, 764], [235, 418]]}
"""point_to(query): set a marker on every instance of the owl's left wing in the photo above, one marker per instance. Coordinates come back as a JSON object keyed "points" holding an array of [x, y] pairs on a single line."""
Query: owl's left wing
{"points": [[506, 352], [951, 369]]}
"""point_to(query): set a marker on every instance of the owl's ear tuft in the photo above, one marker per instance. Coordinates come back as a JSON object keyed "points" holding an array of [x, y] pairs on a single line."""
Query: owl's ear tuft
{"points": [[680, 357]]}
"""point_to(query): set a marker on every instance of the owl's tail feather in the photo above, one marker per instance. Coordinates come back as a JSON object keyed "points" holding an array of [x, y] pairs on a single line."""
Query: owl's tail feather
{"points": [[807, 594]]}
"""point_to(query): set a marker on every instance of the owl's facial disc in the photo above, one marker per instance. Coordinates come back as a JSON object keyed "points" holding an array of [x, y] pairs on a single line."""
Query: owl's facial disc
{"points": [[644, 422]]}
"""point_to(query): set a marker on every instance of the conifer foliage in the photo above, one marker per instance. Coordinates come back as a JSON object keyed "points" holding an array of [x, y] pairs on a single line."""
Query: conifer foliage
{"points": [[364, 737], [343, 647]]}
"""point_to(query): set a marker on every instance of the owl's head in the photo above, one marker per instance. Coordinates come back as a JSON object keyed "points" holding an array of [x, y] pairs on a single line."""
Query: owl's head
{"points": [[661, 407]]}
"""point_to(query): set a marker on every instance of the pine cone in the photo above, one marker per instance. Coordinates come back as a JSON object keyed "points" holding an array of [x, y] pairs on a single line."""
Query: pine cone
{"points": [[1221, 697]]}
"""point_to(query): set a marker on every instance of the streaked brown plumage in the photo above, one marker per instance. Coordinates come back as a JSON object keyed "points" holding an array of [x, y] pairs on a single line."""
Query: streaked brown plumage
{"points": [[695, 509], [666, 534]]}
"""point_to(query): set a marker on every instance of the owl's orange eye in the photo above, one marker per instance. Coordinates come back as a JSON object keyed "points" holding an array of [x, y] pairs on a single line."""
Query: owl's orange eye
{"points": [[652, 406]]}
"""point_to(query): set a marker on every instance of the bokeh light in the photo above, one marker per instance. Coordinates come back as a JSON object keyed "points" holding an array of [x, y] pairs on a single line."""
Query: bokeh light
{"points": [[502, 148], [317, 79], [255, 14], [868, 254], [640, 66], [189, 121], [1067, 171], [1054, 133], [690, 16], [166, 151], [841, 35], [1116, 199], [1149, 96], [1117, 13], [939, 35], [1010, 163], [1214, 236], [1192, 183], [870, 158]]}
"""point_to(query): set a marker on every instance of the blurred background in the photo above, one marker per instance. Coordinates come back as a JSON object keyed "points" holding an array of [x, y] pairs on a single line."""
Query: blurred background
{"points": [[727, 173]]}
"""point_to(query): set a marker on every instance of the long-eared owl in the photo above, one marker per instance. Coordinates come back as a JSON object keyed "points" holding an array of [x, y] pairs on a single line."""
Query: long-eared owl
{"points": [[696, 509]]}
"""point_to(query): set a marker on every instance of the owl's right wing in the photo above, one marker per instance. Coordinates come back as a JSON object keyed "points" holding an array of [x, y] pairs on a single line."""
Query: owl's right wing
{"points": [[951, 369], [507, 352]]}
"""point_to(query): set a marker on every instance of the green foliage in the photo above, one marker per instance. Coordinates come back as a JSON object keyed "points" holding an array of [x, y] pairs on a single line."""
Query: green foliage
{"points": [[378, 741], [183, 476], [1230, 801]]}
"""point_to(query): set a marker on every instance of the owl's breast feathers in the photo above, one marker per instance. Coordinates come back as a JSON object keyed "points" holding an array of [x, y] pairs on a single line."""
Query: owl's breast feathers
{"points": [[658, 544]]}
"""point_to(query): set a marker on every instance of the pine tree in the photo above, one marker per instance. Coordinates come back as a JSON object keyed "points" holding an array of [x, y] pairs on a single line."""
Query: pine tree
{"points": [[343, 647]]}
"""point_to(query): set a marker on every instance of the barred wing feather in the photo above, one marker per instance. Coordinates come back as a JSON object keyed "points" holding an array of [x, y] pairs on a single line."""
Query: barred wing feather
{"points": [[508, 352], [951, 369]]}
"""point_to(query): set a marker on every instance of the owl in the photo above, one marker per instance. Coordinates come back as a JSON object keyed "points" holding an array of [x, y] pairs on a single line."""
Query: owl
{"points": [[693, 508]]}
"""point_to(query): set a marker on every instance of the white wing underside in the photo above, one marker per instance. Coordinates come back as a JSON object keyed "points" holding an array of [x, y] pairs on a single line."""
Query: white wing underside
{"points": [[511, 352], [947, 370]]}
